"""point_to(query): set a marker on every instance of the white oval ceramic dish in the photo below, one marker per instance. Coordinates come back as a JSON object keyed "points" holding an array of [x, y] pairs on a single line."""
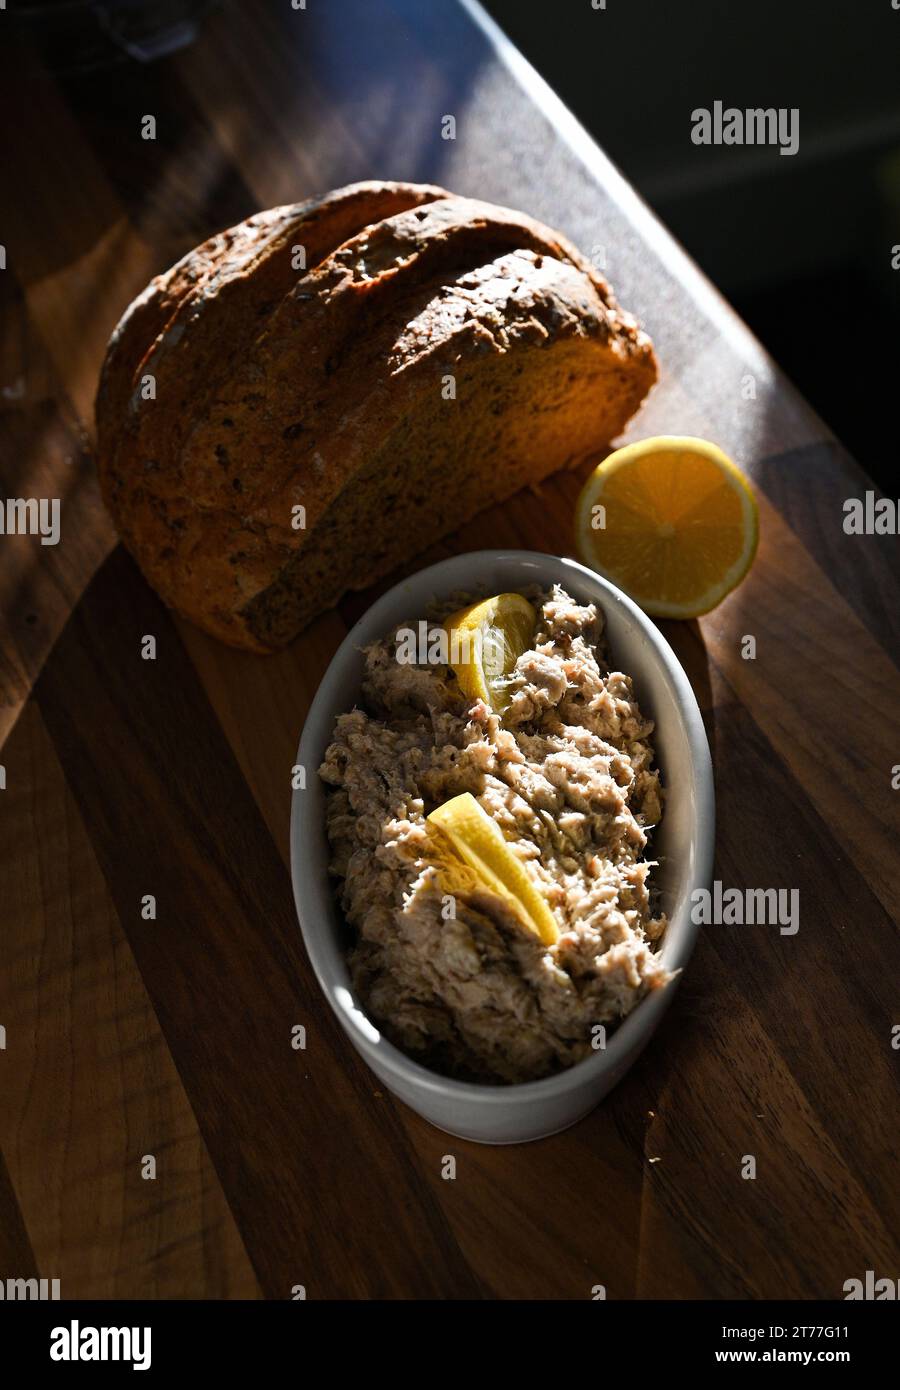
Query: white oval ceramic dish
{"points": [[683, 844]]}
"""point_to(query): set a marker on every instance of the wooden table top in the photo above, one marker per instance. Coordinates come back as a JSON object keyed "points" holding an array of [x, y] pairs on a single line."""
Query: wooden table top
{"points": [[172, 1038]]}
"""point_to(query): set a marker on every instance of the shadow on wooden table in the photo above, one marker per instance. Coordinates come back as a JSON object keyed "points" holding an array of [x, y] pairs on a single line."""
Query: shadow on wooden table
{"points": [[179, 766]]}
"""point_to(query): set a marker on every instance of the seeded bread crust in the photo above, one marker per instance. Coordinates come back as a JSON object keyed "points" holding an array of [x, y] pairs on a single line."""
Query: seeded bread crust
{"points": [[146, 320], [328, 392], [516, 417], [199, 321]]}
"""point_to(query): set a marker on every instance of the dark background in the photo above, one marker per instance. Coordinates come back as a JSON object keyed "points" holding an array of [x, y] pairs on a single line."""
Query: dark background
{"points": [[801, 244]]}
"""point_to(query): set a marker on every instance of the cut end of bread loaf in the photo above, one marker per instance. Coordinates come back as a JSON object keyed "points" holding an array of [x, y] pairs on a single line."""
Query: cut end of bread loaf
{"points": [[311, 428]]}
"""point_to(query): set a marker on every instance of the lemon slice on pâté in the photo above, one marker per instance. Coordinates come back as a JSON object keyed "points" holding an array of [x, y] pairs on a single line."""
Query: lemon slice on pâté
{"points": [[479, 841], [672, 521], [486, 641]]}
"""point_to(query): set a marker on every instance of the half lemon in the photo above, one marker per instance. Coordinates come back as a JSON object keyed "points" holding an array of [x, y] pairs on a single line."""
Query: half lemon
{"points": [[672, 521]]}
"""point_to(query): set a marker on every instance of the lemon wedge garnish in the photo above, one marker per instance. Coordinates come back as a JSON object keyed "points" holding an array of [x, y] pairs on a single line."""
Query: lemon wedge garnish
{"points": [[486, 641], [479, 841], [670, 520]]}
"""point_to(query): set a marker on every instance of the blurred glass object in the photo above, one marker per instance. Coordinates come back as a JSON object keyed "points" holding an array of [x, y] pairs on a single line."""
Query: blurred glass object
{"points": [[74, 36]]}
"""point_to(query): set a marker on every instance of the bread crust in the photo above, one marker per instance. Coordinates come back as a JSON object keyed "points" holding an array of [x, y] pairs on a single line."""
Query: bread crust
{"points": [[523, 306], [203, 315], [147, 318], [317, 373]]}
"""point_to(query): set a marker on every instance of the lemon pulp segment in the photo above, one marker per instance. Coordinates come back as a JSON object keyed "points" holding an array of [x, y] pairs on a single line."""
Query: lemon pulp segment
{"points": [[479, 841], [486, 640]]}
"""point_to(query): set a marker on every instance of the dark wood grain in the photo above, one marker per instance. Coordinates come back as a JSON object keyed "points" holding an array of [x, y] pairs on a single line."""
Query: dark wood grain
{"points": [[223, 940], [16, 1255], [173, 1037], [89, 1085], [804, 485]]}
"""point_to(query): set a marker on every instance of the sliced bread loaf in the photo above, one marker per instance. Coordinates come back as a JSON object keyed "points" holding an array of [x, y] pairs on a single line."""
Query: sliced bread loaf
{"points": [[193, 324], [436, 355]]}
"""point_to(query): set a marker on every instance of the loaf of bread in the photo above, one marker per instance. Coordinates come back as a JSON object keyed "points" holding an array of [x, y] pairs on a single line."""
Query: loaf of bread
{"points": [[310, 398]]}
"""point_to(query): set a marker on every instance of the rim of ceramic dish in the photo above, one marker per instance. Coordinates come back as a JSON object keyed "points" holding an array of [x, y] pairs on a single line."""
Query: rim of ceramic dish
{"points": [[640, 1023]]}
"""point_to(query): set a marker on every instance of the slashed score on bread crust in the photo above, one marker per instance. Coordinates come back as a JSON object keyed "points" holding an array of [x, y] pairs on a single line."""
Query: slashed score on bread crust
{"points": [[434, 355]]}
